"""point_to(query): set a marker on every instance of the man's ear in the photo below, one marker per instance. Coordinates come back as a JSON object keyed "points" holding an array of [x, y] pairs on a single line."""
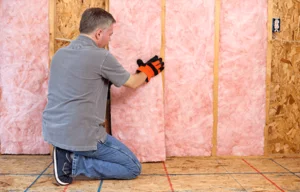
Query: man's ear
{"points": [[98, 33]]}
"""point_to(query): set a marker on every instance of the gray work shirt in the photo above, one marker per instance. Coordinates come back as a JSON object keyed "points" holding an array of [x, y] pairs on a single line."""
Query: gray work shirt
{"points": [[77, 94]]}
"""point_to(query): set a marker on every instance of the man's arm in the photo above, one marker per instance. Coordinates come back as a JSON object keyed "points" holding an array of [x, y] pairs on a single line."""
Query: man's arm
{"points": [[135, 80]]}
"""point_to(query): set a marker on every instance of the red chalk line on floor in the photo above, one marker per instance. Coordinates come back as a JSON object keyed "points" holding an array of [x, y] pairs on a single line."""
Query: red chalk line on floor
{"points": [[167, 174], [263, 175]]}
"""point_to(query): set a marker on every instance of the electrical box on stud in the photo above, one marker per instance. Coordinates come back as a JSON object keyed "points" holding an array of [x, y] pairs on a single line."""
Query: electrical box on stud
{"points": [[276, 25]]}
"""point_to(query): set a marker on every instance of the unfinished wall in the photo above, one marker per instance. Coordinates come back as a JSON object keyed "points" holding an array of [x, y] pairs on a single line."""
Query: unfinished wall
{"points": [[241, 105], [283, 129]]}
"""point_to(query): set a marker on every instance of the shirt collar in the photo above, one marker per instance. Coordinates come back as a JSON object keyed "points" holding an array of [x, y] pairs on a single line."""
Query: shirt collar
{"points": [[86, 39]]}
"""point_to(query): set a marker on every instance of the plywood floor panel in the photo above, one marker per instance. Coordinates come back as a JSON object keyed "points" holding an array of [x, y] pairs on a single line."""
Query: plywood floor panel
{"points": [[184, 174]]}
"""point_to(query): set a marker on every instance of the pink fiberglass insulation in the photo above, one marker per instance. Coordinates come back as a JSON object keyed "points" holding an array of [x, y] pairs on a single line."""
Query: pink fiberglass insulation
{"points": [[189, 77], [137, 116], [23, 75], [242, 72]]}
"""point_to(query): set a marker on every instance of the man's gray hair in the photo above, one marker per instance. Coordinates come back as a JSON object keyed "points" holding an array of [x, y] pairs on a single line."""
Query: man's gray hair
{"points": [[94, 18]]}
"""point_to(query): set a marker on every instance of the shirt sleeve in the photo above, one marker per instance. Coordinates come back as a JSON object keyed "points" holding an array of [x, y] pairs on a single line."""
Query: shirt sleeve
{"points": [[114, 71]]}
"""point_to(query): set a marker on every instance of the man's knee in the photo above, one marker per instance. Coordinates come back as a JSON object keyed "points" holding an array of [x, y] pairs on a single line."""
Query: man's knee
{"points": [[136, 171]]}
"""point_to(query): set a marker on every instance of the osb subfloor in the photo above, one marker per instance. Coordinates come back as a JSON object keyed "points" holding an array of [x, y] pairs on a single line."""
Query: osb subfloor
{"points": [[34, 173]]}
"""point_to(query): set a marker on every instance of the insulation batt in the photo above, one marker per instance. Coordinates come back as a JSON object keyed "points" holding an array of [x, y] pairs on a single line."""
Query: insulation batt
{"points": [[242, 70], [138, 115], [23, 75], [189, 77]]}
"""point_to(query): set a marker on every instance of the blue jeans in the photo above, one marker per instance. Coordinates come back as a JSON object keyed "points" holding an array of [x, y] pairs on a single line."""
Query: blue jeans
{"points": [[111, 160]]}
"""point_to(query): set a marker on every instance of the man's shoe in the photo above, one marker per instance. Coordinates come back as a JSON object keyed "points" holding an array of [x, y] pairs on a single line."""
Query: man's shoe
{"points": [[62, 166]]}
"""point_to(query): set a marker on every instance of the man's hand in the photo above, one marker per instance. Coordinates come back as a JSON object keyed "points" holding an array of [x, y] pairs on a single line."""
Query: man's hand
{"points": [[151, 68]]}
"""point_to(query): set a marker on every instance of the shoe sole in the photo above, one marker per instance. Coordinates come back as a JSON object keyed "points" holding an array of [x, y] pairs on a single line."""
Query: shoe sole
{"points": [[58, 182]]}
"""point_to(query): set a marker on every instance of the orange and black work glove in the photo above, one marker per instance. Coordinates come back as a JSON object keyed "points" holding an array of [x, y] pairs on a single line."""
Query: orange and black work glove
{"points": [[151, 68]]}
